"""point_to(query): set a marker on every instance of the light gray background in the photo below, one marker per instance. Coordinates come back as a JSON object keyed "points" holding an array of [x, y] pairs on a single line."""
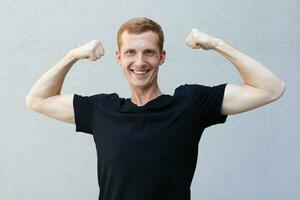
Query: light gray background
{"points": [[253, 156]]}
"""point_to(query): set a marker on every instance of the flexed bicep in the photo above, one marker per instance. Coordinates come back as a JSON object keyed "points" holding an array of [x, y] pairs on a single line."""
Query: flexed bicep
{"points": [[59, 107], [242, 97]]}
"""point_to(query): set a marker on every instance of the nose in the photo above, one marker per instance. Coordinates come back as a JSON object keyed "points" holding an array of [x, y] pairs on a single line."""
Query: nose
{"points": [[140, 61]]}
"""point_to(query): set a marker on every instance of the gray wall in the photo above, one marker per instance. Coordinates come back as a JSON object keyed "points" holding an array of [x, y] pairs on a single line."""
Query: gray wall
{"points": [[254, 155]]}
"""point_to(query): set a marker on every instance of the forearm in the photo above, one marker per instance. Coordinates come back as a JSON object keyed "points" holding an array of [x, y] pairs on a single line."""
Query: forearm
{"points": [[252, 72], [50, 83]]}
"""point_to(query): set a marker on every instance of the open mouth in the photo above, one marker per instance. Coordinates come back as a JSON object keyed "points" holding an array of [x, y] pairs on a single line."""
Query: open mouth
{"points": [[140, 73]]}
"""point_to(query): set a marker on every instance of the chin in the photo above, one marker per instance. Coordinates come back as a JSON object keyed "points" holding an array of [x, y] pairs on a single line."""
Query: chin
{"points": [[140, 85], [137, 85]]}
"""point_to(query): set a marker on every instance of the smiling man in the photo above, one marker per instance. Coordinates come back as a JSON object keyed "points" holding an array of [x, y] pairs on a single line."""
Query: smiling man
{"points": [[147, 145], [140, 52]]}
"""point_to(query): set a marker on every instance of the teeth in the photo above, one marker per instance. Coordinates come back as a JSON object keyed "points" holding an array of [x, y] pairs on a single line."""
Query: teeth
{"points": [[140, 72]]}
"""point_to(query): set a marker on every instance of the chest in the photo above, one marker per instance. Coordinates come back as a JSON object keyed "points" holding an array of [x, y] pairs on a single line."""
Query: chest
{"points": [[148, 138]]}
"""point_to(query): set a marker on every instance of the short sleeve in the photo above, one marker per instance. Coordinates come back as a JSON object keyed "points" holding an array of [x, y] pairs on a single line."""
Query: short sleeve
{"points": [[83, 113], [208, 101], [210, 104]]}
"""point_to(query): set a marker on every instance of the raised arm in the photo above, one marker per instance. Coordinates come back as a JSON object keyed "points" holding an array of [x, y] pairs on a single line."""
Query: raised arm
{"points": [[261, 86], [45, 98]]}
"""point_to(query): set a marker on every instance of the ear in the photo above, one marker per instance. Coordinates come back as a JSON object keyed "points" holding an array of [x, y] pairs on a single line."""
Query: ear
{"points": [[118, 56], [162, 57]]}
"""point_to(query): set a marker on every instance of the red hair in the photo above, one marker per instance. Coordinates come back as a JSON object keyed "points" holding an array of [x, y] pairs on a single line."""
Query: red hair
{"points": [[140, 25]]}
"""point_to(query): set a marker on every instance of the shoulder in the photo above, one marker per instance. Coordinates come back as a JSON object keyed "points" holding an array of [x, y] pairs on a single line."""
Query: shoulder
{"points": [[95, 99], [198, 90], [188, 88]]}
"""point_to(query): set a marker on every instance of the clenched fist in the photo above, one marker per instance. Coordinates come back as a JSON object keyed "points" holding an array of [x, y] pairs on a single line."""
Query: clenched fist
{"points": [[200, 40], [92, 50]]}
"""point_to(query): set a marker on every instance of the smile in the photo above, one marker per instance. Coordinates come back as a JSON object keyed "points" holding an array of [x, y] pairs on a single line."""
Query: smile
{"points": [[140, 73]]}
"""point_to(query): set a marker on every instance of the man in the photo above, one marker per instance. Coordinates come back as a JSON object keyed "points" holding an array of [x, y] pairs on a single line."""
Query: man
{"points": [[147, 145]]}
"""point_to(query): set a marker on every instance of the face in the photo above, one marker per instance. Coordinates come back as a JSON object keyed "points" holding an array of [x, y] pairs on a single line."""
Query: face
{"points": [[140, 57]]}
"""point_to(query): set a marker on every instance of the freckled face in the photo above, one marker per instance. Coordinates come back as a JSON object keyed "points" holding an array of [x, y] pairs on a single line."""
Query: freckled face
{"points": [[140, 57]]}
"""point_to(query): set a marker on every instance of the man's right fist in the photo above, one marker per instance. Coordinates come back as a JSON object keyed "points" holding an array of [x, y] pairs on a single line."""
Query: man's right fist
{"points": [[92, 50]]}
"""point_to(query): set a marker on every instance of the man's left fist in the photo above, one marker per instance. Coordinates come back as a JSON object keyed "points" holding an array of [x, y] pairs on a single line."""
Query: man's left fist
{"points": [[198, 39]]}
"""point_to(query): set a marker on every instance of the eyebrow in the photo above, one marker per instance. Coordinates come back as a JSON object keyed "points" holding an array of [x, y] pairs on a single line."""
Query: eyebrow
{"points": [[129, 50], [153, 50]]}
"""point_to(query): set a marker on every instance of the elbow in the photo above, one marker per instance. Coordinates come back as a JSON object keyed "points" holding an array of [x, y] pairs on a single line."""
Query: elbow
{"points": [[27, 101], [279, 91]]}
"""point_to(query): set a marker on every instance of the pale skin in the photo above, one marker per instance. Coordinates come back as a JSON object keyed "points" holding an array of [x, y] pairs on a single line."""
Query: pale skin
{"points": [[45, 98], [261, 86], [140, 52]]}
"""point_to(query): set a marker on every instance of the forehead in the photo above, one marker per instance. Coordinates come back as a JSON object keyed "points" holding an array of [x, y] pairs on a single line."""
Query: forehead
{"points": [[147, 39]]}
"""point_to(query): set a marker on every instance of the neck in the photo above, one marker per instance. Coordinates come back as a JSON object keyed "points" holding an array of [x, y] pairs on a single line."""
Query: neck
{"points": [[140, 96]]}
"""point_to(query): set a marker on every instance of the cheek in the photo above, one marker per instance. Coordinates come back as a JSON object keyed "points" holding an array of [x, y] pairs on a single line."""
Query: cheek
{"points": [[125, 70], [126, 62], [151, 60]]}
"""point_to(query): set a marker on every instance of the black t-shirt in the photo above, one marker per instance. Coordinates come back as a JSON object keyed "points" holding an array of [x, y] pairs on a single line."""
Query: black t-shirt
{"points": [[148, 152]]}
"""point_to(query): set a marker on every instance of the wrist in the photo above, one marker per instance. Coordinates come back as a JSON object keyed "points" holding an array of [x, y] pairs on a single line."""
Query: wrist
{"points": [[219, 44], [73, 55]]}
